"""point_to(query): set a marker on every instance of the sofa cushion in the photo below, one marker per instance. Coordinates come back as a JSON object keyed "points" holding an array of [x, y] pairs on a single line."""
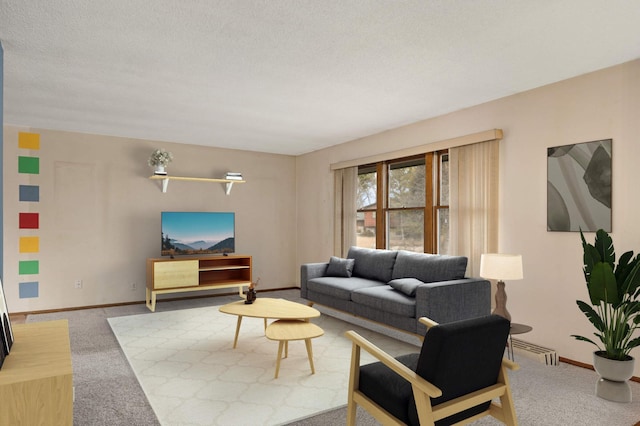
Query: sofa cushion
{"points": [[372, 263], [340, 267], [386, 299], [340, 287], [429, 268], [407, 286]]}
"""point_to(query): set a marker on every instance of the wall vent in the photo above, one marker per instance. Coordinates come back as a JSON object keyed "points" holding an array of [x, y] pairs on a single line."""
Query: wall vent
{"points": [[545, 355]]}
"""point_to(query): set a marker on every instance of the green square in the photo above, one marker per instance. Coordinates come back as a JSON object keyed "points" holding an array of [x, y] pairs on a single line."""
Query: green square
{"points": [[29, 267], [30, 165]]}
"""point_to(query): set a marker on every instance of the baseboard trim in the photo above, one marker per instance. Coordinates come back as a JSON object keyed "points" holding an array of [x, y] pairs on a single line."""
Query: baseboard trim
{"points": [[588, 366], [140, 302]]}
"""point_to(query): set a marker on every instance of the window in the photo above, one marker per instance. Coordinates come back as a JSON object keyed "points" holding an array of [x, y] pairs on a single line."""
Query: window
{"points": [[442, 206], [408, 198], [367, 194], [406, 202]]}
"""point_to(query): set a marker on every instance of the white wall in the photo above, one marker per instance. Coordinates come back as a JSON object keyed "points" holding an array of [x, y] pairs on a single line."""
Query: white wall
{"points": [[604, 104], [100, 214]]}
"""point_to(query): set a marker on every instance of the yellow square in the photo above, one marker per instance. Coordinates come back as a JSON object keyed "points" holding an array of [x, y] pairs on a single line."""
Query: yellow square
{"points": [[28, 140], [29, 244]]}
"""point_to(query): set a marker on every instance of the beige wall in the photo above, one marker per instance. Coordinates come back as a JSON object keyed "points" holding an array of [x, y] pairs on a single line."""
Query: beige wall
{"points": [[604, 104], [100, 215]]}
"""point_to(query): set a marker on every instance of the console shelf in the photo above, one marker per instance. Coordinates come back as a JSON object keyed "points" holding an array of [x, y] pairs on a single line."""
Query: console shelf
{"points": [[196, 274], [165, 181]]}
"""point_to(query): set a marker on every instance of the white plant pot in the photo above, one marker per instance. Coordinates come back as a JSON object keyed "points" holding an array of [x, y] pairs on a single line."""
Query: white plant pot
{"points": [[160, 169], [614, 375]]}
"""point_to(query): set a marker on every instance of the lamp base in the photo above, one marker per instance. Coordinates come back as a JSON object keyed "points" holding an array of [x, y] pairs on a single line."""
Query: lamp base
{"points": [[501, 302]]}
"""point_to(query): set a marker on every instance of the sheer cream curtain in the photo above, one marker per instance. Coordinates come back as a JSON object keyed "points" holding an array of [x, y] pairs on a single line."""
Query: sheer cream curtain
{"points": [[473, 203], [345, 190]]}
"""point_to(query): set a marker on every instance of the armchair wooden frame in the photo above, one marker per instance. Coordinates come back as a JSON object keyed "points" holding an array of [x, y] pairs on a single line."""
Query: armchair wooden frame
{"points": [[423, 390]]}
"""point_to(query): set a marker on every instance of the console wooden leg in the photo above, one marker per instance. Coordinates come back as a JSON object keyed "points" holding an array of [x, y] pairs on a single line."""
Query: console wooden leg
{"points": [[151, 300], [147, 299]]}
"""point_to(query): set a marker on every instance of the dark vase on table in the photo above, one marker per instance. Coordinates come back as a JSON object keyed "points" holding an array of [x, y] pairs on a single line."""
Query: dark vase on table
{"points": [[251, 296]]}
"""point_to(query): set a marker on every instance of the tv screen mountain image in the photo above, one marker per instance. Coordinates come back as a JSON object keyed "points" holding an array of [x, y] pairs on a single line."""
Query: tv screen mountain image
{"points": [[197, 233]]}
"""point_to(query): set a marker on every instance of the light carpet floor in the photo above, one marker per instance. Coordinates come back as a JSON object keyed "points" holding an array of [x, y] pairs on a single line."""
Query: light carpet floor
{"points": [[108, 393], [191, 375]]}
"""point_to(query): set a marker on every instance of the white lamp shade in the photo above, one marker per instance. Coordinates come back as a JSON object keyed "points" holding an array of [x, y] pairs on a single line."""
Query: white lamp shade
{"points": [[501, 267]]}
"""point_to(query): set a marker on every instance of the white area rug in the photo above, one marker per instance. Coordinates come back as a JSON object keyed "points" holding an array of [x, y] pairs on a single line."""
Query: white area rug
{"points": [[191, 375]]}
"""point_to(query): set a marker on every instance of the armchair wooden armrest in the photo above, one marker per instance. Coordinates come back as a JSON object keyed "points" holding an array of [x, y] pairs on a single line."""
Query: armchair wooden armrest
{"points": [[427, 322]]}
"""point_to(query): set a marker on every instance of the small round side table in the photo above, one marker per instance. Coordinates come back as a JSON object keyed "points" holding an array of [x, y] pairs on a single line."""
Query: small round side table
{"points": [[516, 329]]}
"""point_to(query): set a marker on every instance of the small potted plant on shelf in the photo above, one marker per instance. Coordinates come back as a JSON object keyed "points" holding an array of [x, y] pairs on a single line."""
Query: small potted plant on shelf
{"points": [[614, 308], [160, 159]]}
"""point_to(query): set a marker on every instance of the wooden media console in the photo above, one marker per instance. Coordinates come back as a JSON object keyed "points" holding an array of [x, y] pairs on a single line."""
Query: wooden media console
{"points": [[165, 275]]}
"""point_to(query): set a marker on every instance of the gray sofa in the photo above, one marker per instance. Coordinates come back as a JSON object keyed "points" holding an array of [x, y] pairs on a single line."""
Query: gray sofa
{"points": [[396, 288]]}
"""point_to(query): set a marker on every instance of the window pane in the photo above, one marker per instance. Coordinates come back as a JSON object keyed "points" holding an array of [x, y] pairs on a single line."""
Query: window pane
{"points": [[407, 184], [443, 231], [366, 196], [366, 229], [366, 206], [406, 230], [444, 180]]}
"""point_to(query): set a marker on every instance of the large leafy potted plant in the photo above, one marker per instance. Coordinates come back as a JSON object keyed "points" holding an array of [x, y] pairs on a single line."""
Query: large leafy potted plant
{"points": [[614, 308]]}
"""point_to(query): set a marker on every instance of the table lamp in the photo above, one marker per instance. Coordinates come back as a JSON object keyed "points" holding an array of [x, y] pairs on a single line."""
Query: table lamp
{"points": [[501, 267]]}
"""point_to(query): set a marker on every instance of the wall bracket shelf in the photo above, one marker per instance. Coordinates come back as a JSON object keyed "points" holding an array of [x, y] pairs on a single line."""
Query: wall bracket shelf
{"points": [[165, 181]]}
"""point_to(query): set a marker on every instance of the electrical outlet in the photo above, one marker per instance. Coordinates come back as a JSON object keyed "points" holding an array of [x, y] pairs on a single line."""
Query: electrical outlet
{"points": [[78, 284], [133, 286]]}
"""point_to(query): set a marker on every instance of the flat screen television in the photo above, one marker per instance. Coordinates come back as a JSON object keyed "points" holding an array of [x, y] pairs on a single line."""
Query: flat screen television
{"points": [[197, 233]]}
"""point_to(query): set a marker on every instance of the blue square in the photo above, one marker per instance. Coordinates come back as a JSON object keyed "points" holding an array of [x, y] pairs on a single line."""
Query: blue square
{"points": [[28, 290], [29, 193]]}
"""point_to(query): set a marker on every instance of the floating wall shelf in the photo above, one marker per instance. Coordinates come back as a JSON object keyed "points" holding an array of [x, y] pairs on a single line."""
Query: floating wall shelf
{"points": [[165, 181]]}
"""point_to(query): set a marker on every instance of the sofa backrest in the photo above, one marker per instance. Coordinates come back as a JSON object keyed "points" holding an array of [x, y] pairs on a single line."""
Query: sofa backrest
{"points": [[372, 264], [428, 268]]}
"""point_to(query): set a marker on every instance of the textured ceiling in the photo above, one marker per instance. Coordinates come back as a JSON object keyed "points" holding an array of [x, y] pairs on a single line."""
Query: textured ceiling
{"points": [[290, 76]]}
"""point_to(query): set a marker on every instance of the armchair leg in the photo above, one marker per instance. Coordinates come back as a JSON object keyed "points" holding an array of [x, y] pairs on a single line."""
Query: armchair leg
{"points": [[506, 400], [351, 413], [354, 378]]}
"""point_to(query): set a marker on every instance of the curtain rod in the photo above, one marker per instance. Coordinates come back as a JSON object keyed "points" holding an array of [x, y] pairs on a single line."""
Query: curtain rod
{"points": [[487, 135]]}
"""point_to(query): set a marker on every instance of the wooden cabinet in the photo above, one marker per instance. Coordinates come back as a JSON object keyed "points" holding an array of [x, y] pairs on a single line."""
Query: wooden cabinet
{"points": [[36, 380], [195, 274]]}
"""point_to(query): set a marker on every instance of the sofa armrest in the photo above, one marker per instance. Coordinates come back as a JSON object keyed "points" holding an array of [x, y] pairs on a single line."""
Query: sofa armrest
{"points": [[454, 300], [309, 271]]}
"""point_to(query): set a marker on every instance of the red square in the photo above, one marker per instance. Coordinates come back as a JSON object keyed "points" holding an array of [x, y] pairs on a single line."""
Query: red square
{"points": [[29, 220]]}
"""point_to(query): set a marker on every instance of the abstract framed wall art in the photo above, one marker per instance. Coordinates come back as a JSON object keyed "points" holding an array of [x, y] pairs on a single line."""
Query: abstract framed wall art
{"points": [[579, 186]]}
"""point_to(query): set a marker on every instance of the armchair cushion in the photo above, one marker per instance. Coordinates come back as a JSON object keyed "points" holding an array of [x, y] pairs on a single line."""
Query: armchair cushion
{"points": [[396, 392], [462, 357]]}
